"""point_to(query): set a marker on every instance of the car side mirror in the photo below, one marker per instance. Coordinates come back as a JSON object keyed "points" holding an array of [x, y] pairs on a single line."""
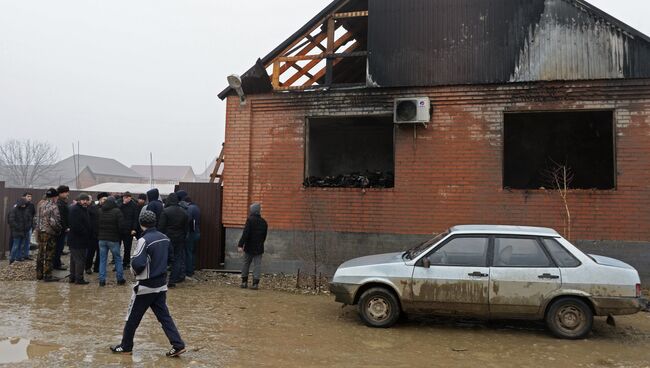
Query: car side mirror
{"points": [[426, 263]]}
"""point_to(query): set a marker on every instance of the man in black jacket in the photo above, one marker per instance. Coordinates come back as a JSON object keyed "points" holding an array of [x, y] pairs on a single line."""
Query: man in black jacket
{"points": [[93, 251], [19, 221], [31, 210], [80, 238], [173, 223], [62, 203], [111, 225], [130, 212], [252, 245]]}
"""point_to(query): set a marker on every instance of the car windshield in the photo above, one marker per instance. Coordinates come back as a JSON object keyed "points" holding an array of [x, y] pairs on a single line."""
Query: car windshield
{"points": [[418, 249]]}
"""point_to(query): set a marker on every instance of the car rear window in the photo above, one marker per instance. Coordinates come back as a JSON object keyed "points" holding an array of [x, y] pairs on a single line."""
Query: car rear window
{"points": [[560, 255], [519, 252]]}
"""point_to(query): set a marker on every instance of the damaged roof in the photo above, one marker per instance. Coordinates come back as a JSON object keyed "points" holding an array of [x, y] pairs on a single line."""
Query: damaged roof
{"points": [[420, 43]]}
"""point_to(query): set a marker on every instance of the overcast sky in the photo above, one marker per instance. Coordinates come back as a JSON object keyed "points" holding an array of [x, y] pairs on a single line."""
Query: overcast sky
{"points": [[129, 77]]}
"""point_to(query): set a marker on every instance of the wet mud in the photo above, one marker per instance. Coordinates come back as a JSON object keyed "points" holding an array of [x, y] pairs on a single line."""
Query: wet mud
{"points": [[224, 326]]}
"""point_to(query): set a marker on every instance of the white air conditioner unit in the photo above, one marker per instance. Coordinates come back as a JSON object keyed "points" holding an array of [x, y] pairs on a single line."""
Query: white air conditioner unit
{"points": [[412, 110]]}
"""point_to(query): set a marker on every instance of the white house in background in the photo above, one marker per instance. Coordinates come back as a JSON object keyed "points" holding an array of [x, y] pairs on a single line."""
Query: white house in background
{"points": [[166, 174]]}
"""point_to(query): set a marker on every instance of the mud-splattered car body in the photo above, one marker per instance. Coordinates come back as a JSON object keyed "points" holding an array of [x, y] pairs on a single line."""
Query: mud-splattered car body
{"points": [[493, 271]]}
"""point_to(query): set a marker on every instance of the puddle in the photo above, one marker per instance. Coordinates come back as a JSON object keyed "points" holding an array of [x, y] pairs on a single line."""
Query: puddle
{"points": [[16, 350]]}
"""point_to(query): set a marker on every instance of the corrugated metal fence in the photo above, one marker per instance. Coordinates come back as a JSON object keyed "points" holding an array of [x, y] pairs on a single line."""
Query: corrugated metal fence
{"points": [[207, 196], [211, 250]]}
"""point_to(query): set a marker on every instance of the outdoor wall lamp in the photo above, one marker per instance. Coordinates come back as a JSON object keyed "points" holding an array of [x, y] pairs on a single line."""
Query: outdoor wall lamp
{"points": [[235, 83]]}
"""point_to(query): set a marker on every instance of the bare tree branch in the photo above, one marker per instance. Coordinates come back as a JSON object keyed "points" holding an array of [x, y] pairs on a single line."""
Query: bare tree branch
{"points": [[26, 162], [559, 177]]}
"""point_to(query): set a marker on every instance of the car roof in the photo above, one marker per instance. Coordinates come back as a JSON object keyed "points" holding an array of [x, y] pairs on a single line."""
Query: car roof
{"points": [[504, 229]]}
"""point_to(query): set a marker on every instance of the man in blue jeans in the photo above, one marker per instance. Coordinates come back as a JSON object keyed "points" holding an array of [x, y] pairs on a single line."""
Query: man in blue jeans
{"points": [[149, 265], [19, 223], [111, 226], [31, 210]]}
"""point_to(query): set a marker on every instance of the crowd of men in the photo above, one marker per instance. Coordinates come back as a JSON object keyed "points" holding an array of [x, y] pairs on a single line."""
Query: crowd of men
{"points": [[93, 229]]}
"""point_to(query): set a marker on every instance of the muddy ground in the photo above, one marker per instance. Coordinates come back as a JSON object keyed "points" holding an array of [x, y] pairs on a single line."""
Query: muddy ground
{"points": [[57, 324]]}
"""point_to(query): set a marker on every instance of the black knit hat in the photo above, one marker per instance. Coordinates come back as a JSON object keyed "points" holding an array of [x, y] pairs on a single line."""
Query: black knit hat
{"points": [[83, 197], [63, 189], [147, 218], [142, 196], [102, 195], [51, 193]]}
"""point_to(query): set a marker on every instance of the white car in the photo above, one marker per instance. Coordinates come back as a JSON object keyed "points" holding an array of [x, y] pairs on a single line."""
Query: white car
{"points": [[495, 272]]}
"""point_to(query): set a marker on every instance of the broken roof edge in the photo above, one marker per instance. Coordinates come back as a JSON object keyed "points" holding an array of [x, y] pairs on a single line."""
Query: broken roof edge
{"points": [[299, 33], [612, 19], [335, 4]]}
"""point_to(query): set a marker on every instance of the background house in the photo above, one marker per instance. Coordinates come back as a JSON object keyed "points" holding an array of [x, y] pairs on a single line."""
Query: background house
{"points": [[515, 88], [166, 174], [82, 171]]}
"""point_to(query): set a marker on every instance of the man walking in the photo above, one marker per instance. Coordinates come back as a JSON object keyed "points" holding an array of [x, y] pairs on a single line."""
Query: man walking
{"points": [[111, 225], [130, 213], [252, 245], [49, 228], [193, 235], [149, 265], [19, 221], [173, 223], [62, 203], [79, 238]]}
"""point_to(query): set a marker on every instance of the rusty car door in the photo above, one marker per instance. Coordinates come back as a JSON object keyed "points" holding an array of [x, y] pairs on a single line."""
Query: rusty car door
{"points": [[457, 279], [522, 278]]}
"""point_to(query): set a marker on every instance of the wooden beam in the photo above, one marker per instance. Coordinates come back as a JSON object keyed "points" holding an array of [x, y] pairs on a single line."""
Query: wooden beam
{"points": [[312, 29], [340, 42], [319, 38], [334, 62], [275, 80], [356, 14]]}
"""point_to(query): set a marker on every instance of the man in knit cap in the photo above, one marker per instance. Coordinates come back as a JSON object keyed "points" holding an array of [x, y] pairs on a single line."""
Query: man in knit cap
{"points": [[252, 245], [149, 265]]}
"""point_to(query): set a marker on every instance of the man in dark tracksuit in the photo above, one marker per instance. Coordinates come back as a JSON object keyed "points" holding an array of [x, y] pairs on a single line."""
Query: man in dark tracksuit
{"points": [[252, 245], [149, 265], [130, 213], [193, 235], [173, 223], [79, 238], [62, 203]]}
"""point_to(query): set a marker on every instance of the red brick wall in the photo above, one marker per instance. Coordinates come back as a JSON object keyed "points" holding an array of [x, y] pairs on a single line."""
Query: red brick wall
{"points": [[449, 173]]}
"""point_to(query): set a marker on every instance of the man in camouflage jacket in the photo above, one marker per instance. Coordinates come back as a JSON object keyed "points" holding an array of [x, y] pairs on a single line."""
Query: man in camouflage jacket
{"points": [[49, 227]]}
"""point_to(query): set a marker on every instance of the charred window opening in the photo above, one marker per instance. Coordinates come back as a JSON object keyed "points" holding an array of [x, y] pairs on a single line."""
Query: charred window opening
{"points": [[536, 144], [353, 152]]}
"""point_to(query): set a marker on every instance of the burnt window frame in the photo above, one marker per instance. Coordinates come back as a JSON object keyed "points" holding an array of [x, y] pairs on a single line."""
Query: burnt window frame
{"points": [[520, 111], [305, 173]]}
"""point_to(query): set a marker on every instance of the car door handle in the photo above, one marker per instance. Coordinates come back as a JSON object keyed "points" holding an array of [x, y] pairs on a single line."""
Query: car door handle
{"points": [[477, 274], [548, 276]]}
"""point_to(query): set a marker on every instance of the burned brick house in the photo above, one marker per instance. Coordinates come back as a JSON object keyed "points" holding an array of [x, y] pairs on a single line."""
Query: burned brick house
{"points": [[381, 121]]}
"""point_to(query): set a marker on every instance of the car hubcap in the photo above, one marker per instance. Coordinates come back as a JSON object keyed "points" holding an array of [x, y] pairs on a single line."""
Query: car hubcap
{"points": [[378, 309], [570, 317]]}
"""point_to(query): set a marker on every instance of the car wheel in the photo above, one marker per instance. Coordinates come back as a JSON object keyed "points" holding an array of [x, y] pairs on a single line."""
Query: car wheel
{"points": [[379, 307], [570, 318]]}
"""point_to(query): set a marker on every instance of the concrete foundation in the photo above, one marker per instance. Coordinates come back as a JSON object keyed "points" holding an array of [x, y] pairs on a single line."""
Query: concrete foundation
{"points": [[289, 251]]}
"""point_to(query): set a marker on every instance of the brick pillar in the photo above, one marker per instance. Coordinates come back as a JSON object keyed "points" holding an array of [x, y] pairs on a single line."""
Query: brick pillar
{"points": [[237, 154]]}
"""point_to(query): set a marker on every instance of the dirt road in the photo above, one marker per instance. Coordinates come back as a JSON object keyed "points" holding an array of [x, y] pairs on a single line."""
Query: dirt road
{"points": [[72, 326]]}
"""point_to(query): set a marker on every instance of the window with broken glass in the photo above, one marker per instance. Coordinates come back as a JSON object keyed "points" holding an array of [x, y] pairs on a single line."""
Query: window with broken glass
{"points": [[350, 152], [551, 150]]}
